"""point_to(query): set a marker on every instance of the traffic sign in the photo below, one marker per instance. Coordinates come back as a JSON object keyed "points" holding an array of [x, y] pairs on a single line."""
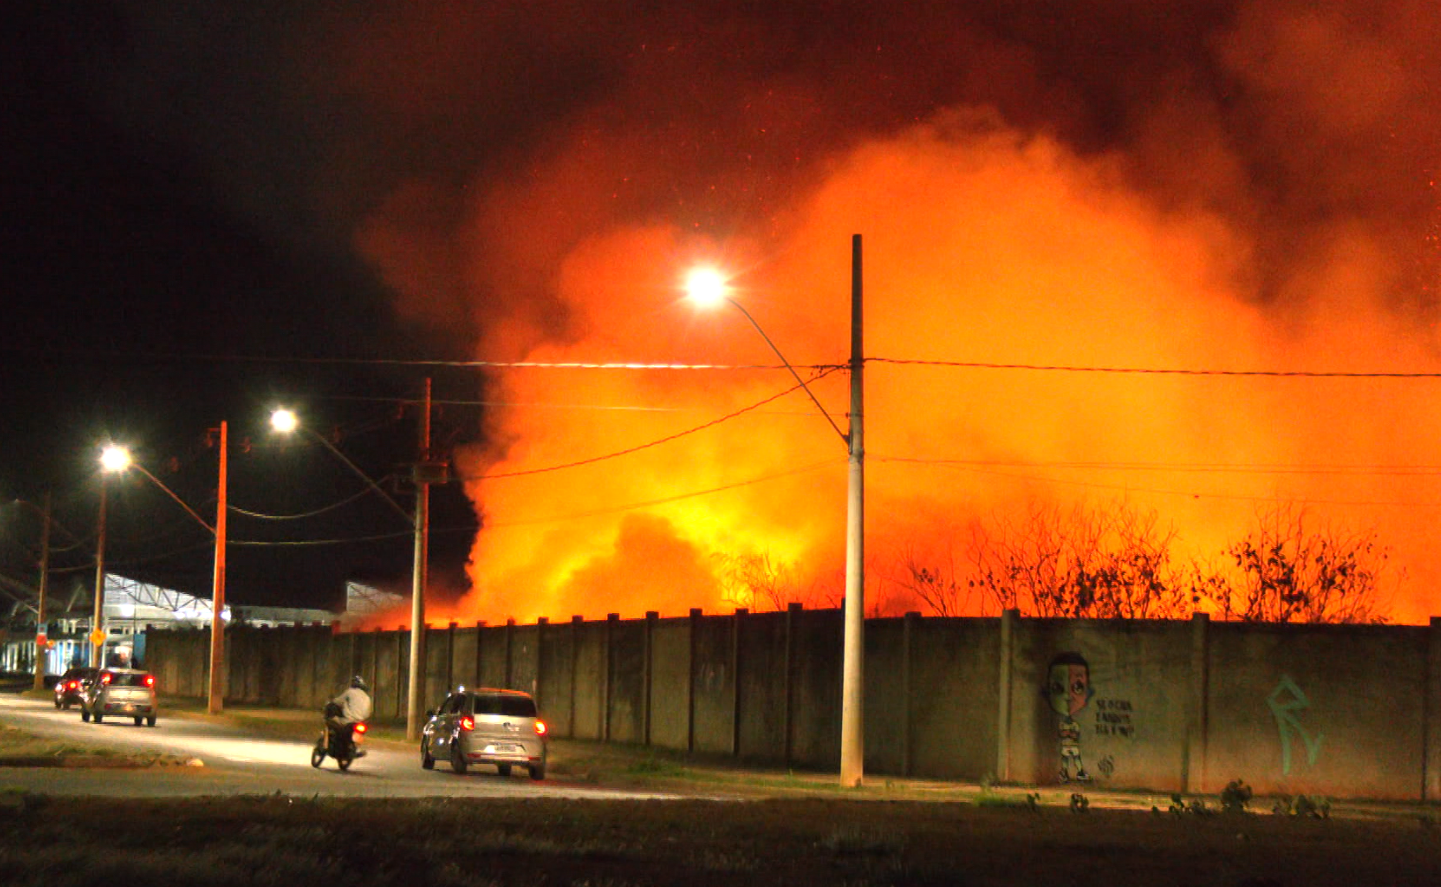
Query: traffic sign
{"points": [[40, 639]]}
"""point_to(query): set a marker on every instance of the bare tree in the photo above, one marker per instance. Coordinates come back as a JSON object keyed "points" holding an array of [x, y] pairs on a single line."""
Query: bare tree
{"points": [[934, 582], [758, 582], [1081, 562], [1289, 568]]}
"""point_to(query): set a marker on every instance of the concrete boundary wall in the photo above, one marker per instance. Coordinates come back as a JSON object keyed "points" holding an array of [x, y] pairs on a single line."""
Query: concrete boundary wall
{"points": [[1172, 706]]}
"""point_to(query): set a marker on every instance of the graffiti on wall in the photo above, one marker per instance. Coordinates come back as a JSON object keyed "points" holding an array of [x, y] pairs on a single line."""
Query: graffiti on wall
{"points": [[1068, 690], [1287, 702]]}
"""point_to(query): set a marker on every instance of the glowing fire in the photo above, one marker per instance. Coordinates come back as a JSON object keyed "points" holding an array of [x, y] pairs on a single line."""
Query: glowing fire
{"points": [[625, 490]]}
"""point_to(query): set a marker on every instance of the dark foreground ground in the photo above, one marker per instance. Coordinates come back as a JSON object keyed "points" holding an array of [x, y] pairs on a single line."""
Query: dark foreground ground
{"points": [[279, 840]]}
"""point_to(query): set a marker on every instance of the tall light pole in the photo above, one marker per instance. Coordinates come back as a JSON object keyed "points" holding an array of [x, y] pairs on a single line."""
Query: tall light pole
{"points": [[112, 459], [853, 668], [709, 288], [285, 421], [216, 700], [414, 702], [40, 603], [121, 461]]}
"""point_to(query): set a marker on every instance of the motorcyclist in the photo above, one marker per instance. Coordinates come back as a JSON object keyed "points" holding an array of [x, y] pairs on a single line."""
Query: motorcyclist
{"points": [[350, 707]]}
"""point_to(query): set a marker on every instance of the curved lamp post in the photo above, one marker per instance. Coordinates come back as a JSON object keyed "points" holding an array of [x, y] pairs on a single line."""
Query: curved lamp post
{"points": [[708, 288], [285, 422], [113, 459], [118, 459]]}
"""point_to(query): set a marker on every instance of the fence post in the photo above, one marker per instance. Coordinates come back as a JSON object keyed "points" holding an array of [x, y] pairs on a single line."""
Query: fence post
{"points": [[1193, 764], [736, 621], [695, 616], [648, 665], [1431, 725], [1003, 713], [540, 624], [793, 610], [575, 624], [908, 628], [611, 619]]}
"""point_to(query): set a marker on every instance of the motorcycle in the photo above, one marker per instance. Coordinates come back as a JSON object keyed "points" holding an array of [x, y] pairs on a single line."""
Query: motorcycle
{"points": [[341, 743]]}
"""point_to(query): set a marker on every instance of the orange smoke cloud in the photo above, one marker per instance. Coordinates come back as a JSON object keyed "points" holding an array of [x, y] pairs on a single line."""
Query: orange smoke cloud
{"points": [[984, 243], [981, 246]]}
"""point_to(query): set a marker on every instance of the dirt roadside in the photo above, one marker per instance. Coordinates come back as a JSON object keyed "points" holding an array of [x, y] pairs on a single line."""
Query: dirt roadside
{"points": [[795, 828]]}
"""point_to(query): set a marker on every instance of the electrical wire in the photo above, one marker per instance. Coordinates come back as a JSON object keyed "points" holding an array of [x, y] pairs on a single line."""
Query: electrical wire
{"points": [[1154, 371], [663, 501], [1187, 494], [305, 514], [726, 418]]}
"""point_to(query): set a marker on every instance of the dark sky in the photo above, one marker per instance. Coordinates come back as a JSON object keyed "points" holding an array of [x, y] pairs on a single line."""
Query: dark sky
{"points": [[145, 306], [211, 208]]}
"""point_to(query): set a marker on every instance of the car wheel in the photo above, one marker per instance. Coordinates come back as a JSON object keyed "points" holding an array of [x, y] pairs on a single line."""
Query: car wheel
{"points": [[537, 772], [58, 703], [85, 715], [98, 717], [150, 721], [503, 769], [458, 763], [317, 755], [426, 761], [67, 704]]}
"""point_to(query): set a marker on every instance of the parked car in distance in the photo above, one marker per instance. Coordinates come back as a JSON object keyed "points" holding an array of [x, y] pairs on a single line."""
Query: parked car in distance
{"points": [[485, 726], [71, 687], [126, 692]]}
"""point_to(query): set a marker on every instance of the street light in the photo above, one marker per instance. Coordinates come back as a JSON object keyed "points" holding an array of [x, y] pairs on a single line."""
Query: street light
{"points": [[285, 422], [707, 288], [118, 459], [112, 459]]}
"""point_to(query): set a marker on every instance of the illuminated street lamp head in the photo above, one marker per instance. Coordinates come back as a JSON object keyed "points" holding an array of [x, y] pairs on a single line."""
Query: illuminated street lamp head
{"points": [[706, 287], [284, 421], [114, 458]]}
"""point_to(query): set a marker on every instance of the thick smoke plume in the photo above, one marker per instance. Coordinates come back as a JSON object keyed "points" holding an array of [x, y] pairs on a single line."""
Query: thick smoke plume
{"points": [[1208, 186]]}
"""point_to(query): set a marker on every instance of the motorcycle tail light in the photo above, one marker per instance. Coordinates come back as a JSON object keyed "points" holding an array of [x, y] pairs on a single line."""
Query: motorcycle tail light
{"points": [[540, 727], [361, 727], [467, 723]]}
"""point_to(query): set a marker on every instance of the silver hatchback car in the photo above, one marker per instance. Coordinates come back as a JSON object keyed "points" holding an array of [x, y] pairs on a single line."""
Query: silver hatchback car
{"points": [[126, 692], [500, 727]]}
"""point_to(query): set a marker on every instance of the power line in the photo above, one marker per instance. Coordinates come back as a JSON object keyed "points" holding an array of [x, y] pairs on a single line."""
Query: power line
{"points": [[593, 459], [1154, 371], [1131, 488], [1184, 467], [632, 506]]}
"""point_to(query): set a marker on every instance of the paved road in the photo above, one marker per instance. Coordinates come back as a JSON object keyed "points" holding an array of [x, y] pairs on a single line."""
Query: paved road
{"points": [[236, 761]]}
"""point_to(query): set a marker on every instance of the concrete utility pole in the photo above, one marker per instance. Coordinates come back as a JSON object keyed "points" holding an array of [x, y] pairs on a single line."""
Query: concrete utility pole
{"points": [[422, 477], [853, 680], [97, 622], [217, 599], [40, 606]]}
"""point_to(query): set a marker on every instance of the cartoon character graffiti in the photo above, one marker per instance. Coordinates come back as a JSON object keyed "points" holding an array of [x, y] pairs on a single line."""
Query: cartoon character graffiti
{"points": [[1068, 689]]}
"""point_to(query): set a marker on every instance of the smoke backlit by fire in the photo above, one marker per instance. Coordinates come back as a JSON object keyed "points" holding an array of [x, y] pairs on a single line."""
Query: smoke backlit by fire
{"points": [[987, 240]]}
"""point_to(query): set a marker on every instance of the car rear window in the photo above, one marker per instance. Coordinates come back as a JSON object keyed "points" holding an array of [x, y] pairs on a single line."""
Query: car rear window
{"points": [[128, 680], [511, 706]]}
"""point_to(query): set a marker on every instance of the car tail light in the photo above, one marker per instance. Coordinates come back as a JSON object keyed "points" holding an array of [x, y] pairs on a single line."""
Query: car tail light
{"points": [[467, 723], [105, 678], [150, 680], [539, 727], [72, 685]]}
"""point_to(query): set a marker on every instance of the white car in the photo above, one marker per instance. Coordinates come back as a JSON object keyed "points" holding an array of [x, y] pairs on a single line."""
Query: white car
{"points": [[500, 727], [122, 692]]}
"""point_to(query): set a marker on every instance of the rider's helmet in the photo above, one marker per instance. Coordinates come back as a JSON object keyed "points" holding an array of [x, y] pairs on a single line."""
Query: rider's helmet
{"points": [[358, 682]]}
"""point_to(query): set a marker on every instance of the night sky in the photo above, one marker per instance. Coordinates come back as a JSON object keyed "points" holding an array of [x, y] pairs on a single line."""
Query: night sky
{"points": [[213, 209]]}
